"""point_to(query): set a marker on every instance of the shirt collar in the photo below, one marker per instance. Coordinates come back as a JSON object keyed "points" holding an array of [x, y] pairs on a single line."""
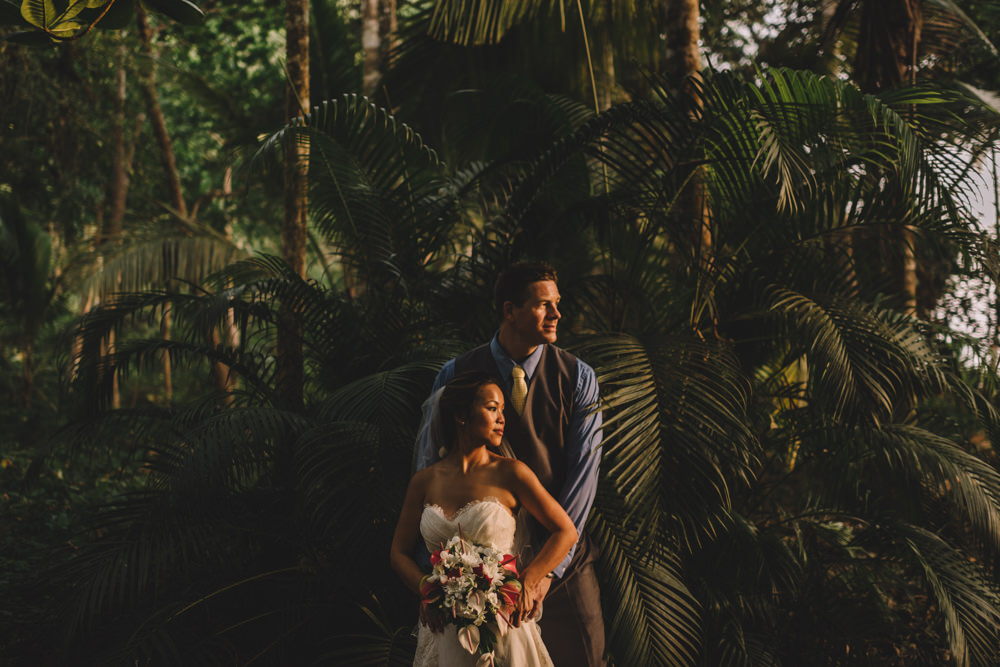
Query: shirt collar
{"points": [[506, 365]]}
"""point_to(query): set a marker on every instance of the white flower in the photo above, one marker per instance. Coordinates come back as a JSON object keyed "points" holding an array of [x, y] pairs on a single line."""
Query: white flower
{"points": [[468, 637], [477, 603], [454, 586]]}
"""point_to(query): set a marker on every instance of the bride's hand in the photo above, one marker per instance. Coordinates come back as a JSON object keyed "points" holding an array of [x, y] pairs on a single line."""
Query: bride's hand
{"points": [[432, 622], [532, 594]]}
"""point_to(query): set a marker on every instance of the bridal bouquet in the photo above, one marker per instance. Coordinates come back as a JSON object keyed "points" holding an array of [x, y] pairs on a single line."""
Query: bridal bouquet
{"points": [[475, 588]]}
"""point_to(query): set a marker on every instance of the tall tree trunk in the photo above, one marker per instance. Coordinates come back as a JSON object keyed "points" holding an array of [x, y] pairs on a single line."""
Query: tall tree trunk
{"points": [[371, 44], [27, 374], [118, 191], [889, 38], [293, 234], [683, 65], [152, 99], [118, 194], [168, 376], [995, 343], [232, 334], [606, 90], [887, 45], [109, 349], [378, 25], [683, 56], [387, 27], [169, 163]]}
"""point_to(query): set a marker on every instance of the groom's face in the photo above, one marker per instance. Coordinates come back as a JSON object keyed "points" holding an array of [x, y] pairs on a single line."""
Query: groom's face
{"points": [[536, 320]]}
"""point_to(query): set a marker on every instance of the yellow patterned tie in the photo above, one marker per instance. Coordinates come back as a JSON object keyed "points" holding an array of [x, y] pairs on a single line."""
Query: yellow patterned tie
{"points": [[519, 392]]}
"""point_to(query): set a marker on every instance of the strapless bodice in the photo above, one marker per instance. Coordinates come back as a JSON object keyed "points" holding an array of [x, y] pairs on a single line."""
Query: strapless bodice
{"points": [[486, 521]]}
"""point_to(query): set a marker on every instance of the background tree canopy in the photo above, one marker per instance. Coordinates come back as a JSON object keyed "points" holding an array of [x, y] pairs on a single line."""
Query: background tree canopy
{"points": [[771, 248]]}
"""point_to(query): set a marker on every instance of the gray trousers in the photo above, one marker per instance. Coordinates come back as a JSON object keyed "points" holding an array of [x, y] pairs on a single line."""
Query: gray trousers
{"points": [[572, 623]]}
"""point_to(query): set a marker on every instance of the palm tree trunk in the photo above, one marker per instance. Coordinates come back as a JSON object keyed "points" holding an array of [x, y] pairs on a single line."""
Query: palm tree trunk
{"points": [[683, 56], [371, 43], [890, 35], [887, 45], [387, 25], [293, 236], [682, 68]]}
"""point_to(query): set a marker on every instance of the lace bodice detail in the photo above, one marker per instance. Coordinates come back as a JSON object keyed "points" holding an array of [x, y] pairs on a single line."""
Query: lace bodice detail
{"points": [[485, 521]]}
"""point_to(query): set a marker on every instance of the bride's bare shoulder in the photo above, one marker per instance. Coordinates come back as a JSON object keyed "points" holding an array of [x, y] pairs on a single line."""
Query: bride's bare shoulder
{"points": [[511, 466], [423, 477]]}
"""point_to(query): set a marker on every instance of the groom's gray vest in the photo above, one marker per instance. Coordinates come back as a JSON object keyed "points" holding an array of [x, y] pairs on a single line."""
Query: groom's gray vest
{"points": [[537, 436]]}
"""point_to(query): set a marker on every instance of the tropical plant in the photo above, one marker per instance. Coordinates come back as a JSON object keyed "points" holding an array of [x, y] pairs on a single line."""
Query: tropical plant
{"points": [[260, 508], [780, 484], [43, 21], [753, 513]]}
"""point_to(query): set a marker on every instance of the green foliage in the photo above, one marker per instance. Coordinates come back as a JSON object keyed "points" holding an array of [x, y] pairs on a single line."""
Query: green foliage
{"points": [[780, 481], [67, 20], [793, 471]]}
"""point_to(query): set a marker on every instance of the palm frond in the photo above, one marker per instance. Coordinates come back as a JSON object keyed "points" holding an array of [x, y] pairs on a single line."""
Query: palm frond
{"points": [[653, 619], [966, 596]]}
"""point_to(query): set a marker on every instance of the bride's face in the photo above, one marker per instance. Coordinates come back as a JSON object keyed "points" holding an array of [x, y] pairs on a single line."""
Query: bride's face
{"points": [[485, 422]]}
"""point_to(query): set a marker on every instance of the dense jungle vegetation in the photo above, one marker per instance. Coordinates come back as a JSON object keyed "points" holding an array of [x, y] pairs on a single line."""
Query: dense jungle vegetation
{"points": [[237, 240]]}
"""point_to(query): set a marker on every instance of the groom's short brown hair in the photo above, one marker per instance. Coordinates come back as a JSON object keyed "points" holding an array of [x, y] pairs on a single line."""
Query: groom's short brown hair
{"points": [[512, 285]]}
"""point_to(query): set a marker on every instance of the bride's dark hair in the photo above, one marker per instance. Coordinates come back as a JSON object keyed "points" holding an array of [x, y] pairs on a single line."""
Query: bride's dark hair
{"points": [[456, 400]]}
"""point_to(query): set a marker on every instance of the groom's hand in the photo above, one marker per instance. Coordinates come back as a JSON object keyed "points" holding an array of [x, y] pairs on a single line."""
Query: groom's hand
{"points": [[541, 590]]}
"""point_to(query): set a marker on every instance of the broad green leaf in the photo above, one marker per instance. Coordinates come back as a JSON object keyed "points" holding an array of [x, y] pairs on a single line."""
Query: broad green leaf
{"points": [[44, 14], [64, 29], [39, 13]]}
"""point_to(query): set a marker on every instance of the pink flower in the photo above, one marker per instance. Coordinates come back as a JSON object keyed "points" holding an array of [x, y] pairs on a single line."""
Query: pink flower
{"points": [[509, 563], [509, 592]]}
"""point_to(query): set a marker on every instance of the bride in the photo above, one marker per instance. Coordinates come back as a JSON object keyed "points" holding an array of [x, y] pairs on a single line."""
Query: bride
{"points": [[477, 493]]}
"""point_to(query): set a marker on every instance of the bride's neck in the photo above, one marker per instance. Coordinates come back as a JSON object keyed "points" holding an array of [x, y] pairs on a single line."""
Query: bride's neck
{"points": [[467, 455]]}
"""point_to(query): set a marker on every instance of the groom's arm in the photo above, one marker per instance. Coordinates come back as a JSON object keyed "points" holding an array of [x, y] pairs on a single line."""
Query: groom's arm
{"points": [[583, 455]]}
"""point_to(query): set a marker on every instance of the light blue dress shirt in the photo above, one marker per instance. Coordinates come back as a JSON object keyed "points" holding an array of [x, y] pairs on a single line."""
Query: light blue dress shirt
{"points": [[583, 439]]}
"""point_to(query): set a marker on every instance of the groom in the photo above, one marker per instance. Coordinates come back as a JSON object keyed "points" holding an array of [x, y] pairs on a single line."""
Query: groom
{"points": [[552, 425]]}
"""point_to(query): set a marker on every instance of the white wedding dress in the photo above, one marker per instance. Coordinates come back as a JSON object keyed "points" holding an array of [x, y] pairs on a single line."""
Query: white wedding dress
{"points": [[486, 522]]}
